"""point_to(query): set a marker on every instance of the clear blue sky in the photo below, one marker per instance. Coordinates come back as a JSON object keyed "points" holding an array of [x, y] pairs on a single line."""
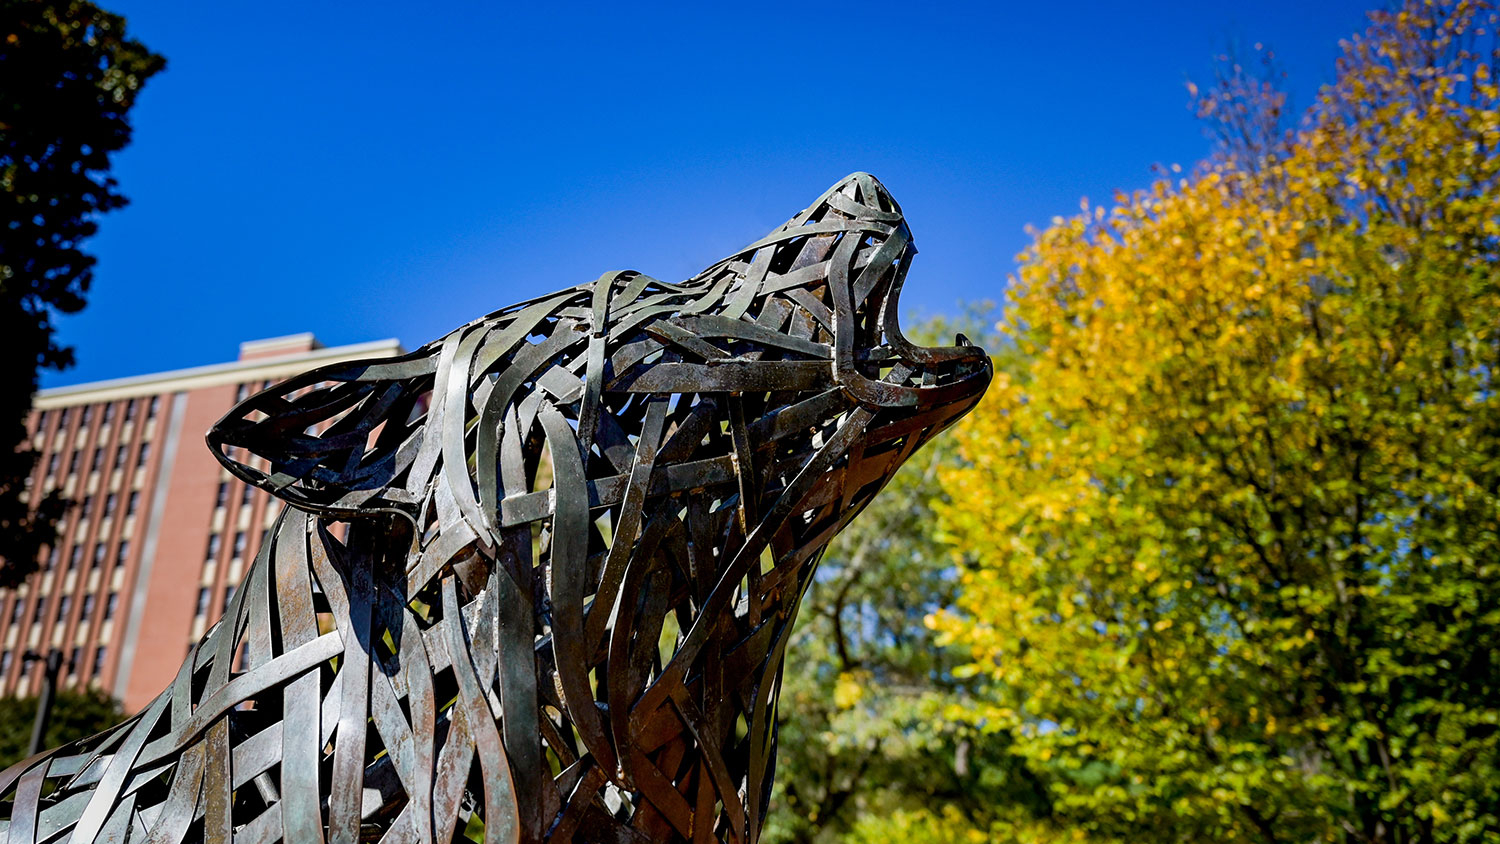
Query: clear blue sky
{"points": [[368, 170]]}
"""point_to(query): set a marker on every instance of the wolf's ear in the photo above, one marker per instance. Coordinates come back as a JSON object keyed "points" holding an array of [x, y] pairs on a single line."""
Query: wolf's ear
{"points": [[335, 440]]}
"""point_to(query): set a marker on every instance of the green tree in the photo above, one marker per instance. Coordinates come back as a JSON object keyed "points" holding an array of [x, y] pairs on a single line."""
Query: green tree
{"points": [[70, 78], [1233, 525], [868, 740], [76, 714]]}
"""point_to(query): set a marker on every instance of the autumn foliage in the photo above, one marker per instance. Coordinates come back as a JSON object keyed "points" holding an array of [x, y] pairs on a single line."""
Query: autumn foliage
{"points": [[1230, 529]]}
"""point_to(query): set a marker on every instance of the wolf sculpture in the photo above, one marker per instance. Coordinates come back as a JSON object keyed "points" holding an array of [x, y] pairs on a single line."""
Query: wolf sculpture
{"points": [[534, 581]]}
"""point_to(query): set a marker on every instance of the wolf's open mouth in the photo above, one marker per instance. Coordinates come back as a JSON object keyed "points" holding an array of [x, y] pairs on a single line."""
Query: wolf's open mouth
{"points": [[899, 372]]}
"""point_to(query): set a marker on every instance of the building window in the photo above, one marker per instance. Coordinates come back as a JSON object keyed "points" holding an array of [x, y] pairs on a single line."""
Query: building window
{"points": [[203, 595], [242, 392], [62, 608], [86, 507], [109, 414], [214, 541], [5, 660], [109, 504], [239, 544], [15, 610], [52, 464], [53, 556], [99, 553], [123, 552], [88, 416], [145, 454], [73, 463], [75, 558], [36, 614], [228, 596], [73, 660], [223, 497], [62, 418], [131, 504], [111, 605], [120, 454], [97, 461], [41, 420], [130, 410], [246, 494], [87, 609], [98, 668], [153, 407]]}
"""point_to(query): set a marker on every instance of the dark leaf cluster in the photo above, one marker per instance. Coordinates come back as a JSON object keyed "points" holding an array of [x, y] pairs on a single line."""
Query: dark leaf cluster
{"points": [[69, 76]]}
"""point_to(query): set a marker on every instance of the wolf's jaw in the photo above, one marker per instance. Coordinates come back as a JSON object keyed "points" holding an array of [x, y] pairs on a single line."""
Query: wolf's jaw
{"points": [[901, 373]]}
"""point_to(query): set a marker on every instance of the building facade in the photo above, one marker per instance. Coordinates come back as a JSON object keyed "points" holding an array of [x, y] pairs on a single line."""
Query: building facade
{"points": [[159, 533]]}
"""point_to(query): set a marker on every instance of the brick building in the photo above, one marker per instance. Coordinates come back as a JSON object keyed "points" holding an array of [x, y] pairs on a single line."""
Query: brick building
{"points": [[159, 534]]}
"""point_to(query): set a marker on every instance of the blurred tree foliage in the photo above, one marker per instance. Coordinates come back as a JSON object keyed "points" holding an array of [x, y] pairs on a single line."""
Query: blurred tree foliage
{"points": [[1235, 523], [76, 714], [70, 78], [871, 741]]}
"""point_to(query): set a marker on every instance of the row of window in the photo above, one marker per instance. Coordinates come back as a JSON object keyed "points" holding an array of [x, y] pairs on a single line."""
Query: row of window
{"points": [[100, 652], [86, 507], [216, 541], [101, 553], [96, 462], [63, 605], [206, 594], [247, 493], [86, 413]]}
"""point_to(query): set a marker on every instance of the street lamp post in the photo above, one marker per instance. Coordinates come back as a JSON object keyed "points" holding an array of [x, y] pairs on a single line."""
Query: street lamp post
{"points": [[44, 703]]}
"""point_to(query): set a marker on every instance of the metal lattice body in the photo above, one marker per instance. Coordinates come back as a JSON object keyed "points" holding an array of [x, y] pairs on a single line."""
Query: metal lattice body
{"points": [[536, 578]]}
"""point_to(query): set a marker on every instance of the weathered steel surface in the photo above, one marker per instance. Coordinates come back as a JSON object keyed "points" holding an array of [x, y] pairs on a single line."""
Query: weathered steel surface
{"points": [[576, 535]]}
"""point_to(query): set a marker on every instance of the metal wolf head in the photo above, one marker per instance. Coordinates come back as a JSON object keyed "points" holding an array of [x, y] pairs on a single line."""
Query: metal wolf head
{"points": [[613, 497]]}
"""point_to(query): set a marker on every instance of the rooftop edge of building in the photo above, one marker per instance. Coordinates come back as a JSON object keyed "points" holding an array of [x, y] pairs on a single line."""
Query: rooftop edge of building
{"points": [[278, 346], [273, 358]]}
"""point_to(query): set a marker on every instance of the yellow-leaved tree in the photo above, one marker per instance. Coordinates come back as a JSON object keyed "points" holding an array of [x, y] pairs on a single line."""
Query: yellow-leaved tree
{"points": [[1231, 531]]}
